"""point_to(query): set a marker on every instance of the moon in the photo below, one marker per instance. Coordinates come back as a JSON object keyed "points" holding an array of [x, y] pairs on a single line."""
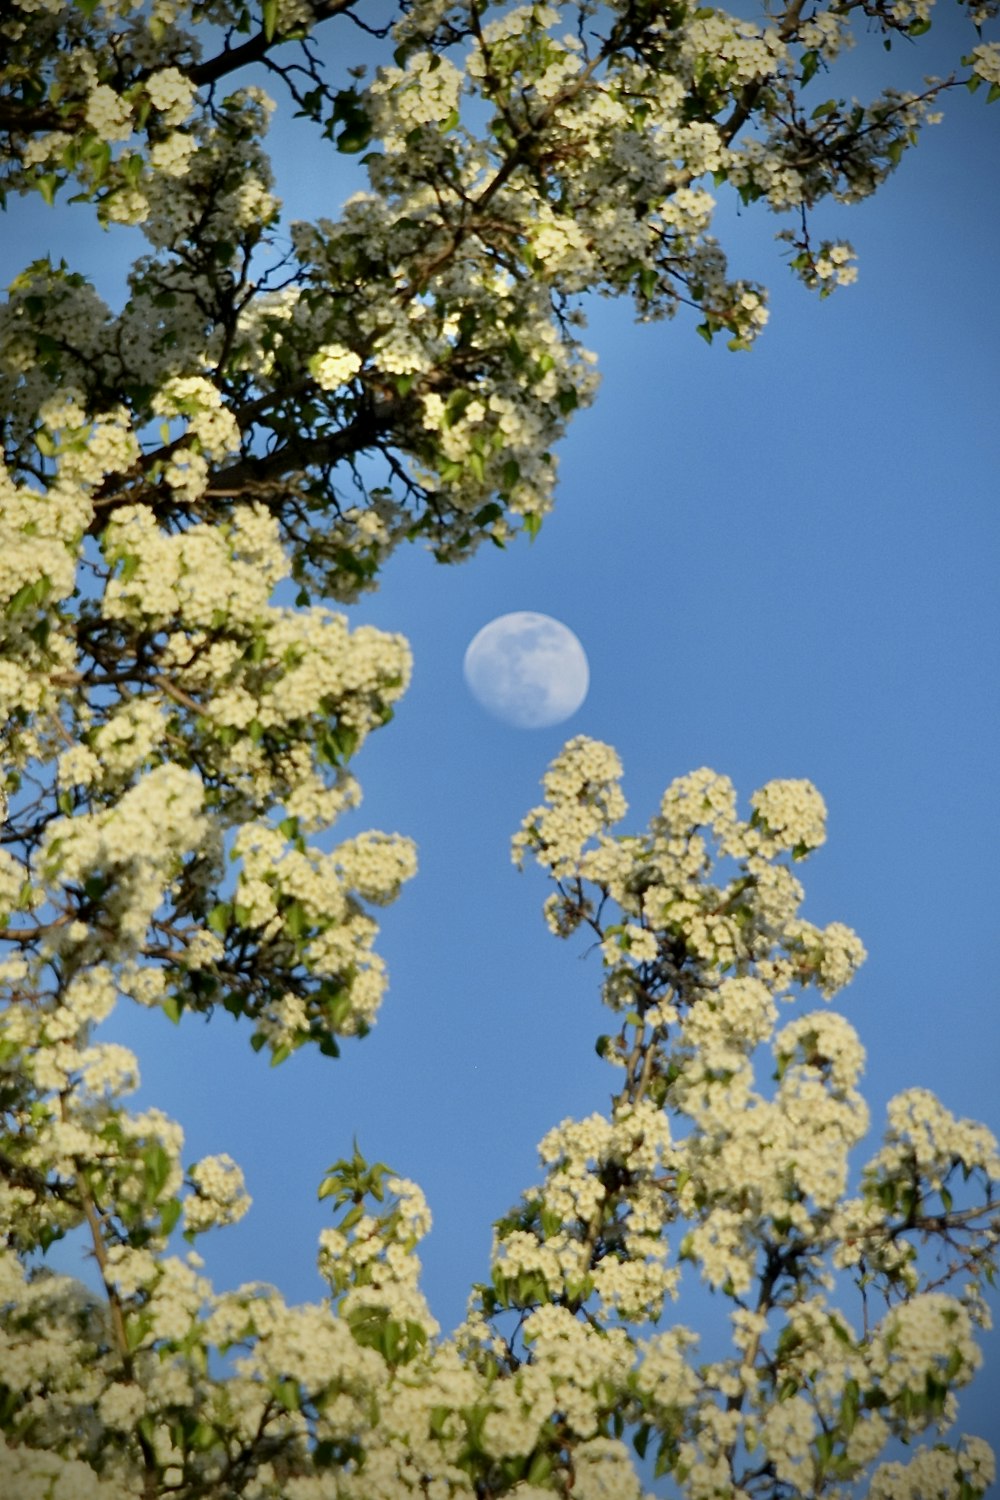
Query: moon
{"points": [[527, 669]]}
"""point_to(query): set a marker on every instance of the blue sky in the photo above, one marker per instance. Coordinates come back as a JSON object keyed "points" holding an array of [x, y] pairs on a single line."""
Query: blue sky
{"points": [[780, 563]]}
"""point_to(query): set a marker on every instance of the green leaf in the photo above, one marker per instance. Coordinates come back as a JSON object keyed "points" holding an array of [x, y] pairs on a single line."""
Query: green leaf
{"points": [[157, 1163], [824, 1449], [49, 1235], [202, 1437], [540, 1469], [354, 138], [287, 1393], [295, 919], [219, 918], [30, 594], [269, 15], [849, 1407], [169, 1215], [337, 744], [136, 1328], [172, 1008], [353, 1216]]}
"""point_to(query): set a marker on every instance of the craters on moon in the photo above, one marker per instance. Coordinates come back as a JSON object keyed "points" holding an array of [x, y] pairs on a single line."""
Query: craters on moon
{"points": [[527, 669]]}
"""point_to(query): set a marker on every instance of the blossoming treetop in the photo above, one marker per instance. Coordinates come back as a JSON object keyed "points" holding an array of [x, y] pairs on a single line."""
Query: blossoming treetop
{"points": [[247, 417]]}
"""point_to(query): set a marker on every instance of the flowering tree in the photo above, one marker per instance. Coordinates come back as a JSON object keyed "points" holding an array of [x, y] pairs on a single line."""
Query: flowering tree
{"points": [[247, 418]]}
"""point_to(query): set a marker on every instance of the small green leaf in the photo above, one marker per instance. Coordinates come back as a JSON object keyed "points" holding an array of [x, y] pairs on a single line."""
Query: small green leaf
{"points": [[287, 1392], [30, 594], [849, 1407], [540, 1469], [136, 1328], [295, 919], [354, 138], [157, 1163], [824, 1449], [219, 918], [169, 1215]]}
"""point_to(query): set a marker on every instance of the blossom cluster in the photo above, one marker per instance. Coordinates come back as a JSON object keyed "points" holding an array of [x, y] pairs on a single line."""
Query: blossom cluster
{"points": [[701, 1166], [515, 160]]}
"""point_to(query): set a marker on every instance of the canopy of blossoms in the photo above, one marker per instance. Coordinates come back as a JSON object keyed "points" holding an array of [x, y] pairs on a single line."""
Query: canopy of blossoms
{"points": [[176, 745]]}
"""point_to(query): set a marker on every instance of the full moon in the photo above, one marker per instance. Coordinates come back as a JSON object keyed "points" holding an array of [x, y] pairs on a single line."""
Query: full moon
{"points": [[527, 669]]}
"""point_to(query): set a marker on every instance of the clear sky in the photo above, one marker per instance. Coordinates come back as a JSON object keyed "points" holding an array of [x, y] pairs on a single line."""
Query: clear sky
{"points": [[780, 563]]}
